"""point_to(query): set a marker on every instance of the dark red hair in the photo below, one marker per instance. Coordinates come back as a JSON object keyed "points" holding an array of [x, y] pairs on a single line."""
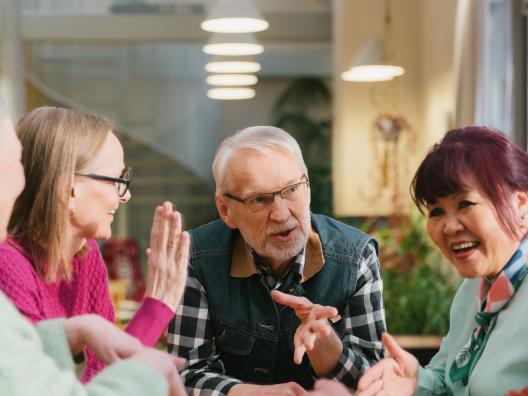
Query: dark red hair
{"points": [[498, 165]]}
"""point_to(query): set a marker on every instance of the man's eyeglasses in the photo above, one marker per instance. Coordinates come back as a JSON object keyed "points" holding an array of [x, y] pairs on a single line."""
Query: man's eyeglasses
{"points": [[258, 202], [121, 183]]}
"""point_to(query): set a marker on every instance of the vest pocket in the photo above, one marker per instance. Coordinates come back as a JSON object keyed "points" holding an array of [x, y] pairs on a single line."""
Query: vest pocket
{"points": [[234, 347]]}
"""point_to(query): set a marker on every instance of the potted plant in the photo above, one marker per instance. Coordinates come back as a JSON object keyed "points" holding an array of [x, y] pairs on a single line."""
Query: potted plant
{"points": [[419, 285]]}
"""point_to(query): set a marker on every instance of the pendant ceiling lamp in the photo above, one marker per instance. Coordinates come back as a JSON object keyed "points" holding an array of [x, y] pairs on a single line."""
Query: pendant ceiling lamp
{"points": [[371, 62], [231, 93], [234, 16], [238, 44], [229, 80], [232, 65]]}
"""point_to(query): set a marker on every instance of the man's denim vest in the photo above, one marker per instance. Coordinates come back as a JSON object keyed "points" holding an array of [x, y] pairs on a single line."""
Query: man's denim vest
{"points": [[253, 335]]}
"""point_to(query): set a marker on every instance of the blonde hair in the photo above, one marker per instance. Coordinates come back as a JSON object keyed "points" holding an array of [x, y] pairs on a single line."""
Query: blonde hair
{"points": [[56, 143], [259, 138]]}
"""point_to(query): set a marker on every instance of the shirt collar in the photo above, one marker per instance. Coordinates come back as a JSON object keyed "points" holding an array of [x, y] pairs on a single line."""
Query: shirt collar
{"points": [[243, 265]]}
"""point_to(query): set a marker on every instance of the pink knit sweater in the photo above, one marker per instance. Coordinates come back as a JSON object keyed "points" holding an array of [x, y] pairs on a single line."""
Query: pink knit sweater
{"points": [[86, 293]]}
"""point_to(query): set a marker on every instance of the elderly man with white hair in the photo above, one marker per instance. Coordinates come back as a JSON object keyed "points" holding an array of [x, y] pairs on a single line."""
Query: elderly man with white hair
{"points": [[276, 296]]}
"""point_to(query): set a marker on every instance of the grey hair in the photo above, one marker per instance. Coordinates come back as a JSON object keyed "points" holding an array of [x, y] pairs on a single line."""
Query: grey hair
{"points": [[259, 138]]}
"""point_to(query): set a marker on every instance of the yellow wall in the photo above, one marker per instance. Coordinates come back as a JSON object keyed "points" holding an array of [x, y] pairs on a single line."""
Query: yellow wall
{"points": [[438, 31], [422, 36]]}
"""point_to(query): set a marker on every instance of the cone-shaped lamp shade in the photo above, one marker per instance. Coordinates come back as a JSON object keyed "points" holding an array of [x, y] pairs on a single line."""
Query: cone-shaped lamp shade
{"points": [[230, 80], [231, 93], [232, 65], [234, 16], [369, 65], [233, 45]]}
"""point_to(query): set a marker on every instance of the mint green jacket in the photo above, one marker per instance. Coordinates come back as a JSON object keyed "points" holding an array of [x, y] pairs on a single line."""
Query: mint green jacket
{"points": [[503, 365], [37, 361]]}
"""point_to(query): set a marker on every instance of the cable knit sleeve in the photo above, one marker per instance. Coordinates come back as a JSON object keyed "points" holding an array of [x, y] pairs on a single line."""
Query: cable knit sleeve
{"points": [[150, 321], [19, 282]]}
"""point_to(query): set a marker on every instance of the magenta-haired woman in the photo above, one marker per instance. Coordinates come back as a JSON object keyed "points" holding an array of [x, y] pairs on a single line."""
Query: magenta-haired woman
{"points": [[473, 186]]}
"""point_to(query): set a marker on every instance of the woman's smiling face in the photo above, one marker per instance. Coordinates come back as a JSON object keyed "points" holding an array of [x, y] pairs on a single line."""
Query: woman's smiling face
{"points": [[96, 201], [467, 229]]}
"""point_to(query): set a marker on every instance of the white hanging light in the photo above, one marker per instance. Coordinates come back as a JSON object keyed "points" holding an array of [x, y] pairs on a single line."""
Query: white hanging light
{"points": [[231, 93], [234, 16], [369, 65], [371, 61], [232, 65], [233, 45], [230, 80]]}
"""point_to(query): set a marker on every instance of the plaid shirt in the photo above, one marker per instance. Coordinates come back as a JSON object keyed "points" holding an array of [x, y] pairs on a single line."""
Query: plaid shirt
{"points": [[191, 334], [293, 274]]}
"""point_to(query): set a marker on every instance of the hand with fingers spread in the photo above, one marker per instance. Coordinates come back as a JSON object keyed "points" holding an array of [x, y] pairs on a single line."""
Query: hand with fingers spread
{"points": [[168, 256], [314, 335], [393, 376]]}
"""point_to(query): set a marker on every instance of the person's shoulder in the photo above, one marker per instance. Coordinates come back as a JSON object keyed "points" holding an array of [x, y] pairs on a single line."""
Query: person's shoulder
{"points": [[12, 257], [325, 225], [320, 219], [468, 285], [213, 226], [10, 246], [211, 236], [18, 278], [340, 238], [466, 292]]}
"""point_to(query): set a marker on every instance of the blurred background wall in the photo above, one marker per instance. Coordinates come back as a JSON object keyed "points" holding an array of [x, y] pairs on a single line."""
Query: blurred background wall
{"points": [[141, 63]]}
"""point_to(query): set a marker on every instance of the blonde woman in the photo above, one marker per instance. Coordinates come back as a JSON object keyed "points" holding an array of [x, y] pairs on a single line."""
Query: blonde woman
{"points": [[37, 360], [50, 266]]}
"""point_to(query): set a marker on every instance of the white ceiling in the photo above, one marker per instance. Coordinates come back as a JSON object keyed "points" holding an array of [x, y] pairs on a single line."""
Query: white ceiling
{"points": [[265, 6], [297, 42]]}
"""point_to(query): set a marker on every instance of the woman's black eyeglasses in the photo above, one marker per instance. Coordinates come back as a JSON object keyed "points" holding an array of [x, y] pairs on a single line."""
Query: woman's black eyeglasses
{"points": [[121, 183]]}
